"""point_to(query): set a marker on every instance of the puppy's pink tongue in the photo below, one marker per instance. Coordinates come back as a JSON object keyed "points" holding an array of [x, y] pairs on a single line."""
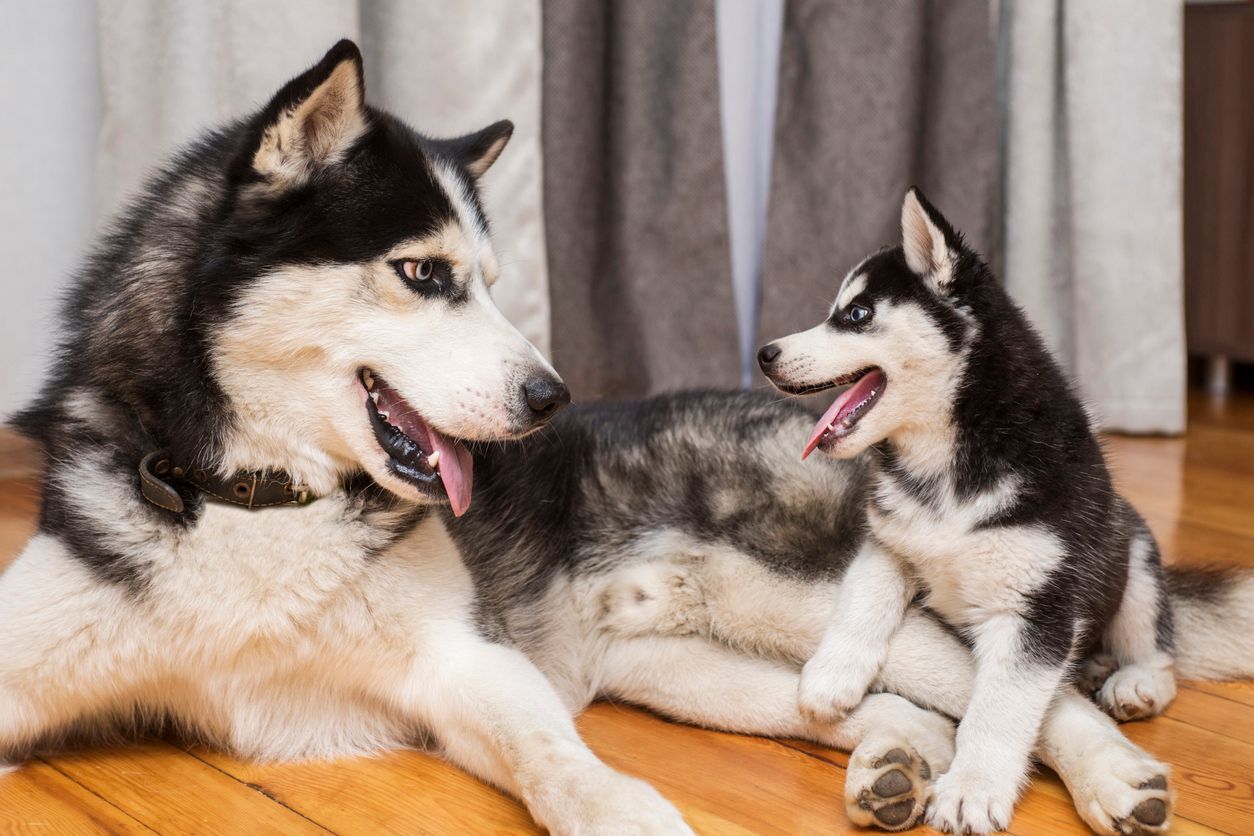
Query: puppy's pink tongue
{"points": [[456, 465], [846, 403]]}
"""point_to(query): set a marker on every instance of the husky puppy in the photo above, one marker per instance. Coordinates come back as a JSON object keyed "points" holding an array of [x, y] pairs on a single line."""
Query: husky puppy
{"points": [[984, 495], [989, 494]]}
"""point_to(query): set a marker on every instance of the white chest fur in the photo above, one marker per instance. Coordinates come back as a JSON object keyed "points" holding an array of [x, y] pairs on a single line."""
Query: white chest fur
{"points": [[971, 572]]}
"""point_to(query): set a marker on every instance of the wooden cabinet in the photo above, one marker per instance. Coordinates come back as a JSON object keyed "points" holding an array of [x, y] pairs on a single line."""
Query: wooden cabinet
{"points": [[1219, 182]]}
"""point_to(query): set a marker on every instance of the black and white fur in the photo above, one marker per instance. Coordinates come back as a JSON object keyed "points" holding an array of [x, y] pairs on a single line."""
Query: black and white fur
{"points": [[230, 317], [988, 484], [990, 496], [676, 553]]}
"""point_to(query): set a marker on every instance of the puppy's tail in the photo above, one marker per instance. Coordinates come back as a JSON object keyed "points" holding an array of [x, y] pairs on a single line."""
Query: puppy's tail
{"points": [[1214, 617]]}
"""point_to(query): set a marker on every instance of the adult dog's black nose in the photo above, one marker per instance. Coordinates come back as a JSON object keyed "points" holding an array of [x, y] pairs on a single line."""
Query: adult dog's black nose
{"points": [[767, 355], [545, 396]]}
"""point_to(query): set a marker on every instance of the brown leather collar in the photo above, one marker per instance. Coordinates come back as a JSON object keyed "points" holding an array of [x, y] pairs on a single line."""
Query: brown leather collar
{"points": [[251, 489]]}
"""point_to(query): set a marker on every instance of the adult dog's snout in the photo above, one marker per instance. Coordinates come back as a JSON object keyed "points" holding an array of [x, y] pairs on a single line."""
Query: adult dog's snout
{"points": [[545, 396]]}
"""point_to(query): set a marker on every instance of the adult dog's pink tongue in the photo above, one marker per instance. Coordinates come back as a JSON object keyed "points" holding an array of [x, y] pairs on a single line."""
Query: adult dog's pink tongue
{"points": [[847, 401], [456, 465]]}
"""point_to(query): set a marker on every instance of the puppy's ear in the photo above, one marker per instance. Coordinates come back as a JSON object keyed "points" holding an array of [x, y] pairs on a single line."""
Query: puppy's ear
{"points": [[928, 241], [477, 151], [314, 120]]}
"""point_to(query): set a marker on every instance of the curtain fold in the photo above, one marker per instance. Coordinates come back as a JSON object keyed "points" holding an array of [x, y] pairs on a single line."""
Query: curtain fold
{"points": [[451, 68], [1092, 115], [610, 206], [635, 209], [169, 70], [874, 96]]}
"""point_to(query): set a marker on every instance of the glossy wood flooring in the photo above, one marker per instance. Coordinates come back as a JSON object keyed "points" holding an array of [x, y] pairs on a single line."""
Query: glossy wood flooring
{"points": [[1197, 492]]}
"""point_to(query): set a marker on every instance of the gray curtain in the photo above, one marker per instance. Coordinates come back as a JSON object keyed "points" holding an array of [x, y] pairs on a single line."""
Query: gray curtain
{"points": [[874, 96], [171, 68], [1092, 117], [634, 198]]}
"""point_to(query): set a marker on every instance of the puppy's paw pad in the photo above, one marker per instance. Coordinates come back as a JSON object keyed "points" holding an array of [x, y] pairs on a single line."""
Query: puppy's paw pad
{"points": [[888, 792], [1136, 692], [1150, 814], [1121, 789]]}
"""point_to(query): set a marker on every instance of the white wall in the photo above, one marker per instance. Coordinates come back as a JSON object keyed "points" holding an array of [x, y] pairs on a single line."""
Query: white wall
{"points": [[50, 98]]}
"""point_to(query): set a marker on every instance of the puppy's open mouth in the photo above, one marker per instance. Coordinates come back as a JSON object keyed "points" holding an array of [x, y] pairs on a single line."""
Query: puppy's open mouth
{"points": [[418, 453], [848, 409]]}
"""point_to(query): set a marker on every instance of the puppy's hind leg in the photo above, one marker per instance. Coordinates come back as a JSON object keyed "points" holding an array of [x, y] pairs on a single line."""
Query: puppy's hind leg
{"points": [[1140, 639], [897, 747], [1116, 787], [57, 638]]}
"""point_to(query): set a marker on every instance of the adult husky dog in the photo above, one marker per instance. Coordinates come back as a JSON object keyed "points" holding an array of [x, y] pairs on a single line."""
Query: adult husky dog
{"points": [[296, 310], [990, 494]]}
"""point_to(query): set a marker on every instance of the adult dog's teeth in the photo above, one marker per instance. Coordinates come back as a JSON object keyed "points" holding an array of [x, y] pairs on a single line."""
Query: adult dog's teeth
{"points": [[433, 460], [368, 380], [374, 396], [383, 415]]}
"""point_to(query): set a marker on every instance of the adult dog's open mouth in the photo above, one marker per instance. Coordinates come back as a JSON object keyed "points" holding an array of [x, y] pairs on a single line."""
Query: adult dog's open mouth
{"points": [[848, 408], [418, 453]]}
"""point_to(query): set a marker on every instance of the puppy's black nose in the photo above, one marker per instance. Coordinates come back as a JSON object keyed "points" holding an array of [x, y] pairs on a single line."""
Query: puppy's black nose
{"points": [[545, 396], [768, 354]]}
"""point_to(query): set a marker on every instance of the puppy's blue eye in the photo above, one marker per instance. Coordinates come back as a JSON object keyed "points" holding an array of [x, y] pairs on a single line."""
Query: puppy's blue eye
{"points": [[857, 313]]}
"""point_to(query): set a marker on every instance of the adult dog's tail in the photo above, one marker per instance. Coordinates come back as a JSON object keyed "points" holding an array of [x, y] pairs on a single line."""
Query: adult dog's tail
{"points": [[1214, 615]]}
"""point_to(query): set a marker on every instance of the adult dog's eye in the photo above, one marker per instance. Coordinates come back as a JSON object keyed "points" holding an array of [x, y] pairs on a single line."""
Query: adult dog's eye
{"points": [[416, 271], [857, 313]]}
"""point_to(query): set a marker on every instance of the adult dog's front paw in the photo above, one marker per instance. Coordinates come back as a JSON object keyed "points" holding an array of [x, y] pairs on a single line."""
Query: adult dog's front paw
{"points": [[827, 693], [971, 801], [888, 790], [1135, 692], [618, 804]]}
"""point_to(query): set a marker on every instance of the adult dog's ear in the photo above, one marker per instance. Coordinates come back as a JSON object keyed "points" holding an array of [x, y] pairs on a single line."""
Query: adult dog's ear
{"points": [[477, 151], [929, 241], [314, 120]]}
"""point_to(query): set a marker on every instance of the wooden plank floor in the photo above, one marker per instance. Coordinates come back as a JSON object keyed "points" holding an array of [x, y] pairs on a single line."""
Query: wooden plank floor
{"points": [[1197, 492]]}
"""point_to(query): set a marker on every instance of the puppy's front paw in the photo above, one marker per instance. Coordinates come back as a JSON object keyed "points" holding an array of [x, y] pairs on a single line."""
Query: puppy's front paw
{"points": [[1135, 692], [970, 801], [827, 693]]}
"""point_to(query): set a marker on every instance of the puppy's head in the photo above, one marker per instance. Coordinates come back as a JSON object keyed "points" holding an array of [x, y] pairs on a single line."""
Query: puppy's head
{"points": [[896, 336]]}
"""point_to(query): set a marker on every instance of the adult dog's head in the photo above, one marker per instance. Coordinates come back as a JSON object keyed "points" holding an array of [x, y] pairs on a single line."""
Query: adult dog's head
{"points": [[364, 334], [304, 290]]}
